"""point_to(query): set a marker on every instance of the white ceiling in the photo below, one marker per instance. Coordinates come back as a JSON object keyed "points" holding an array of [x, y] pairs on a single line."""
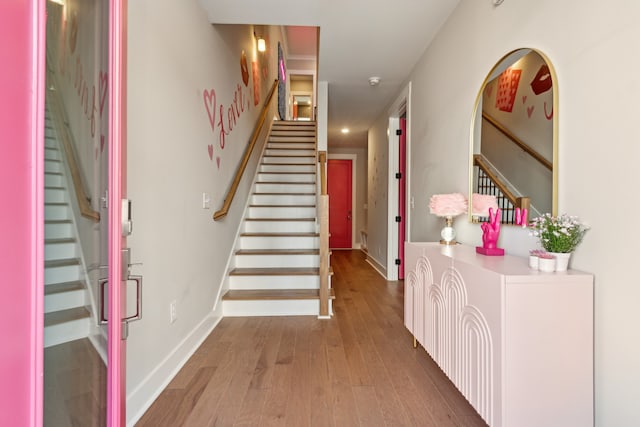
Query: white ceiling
{"points": [[358, 40]]}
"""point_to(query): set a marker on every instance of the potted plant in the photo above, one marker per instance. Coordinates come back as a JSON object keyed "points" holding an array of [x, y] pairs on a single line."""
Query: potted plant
{"points": [[558, 235]]}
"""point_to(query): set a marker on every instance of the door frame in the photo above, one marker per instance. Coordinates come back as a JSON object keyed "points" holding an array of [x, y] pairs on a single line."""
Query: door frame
{"points": [[354, 167], [402, 105]]}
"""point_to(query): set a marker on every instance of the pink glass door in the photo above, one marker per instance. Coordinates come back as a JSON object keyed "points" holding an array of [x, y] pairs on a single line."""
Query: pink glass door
{"points": [[23, 255]]}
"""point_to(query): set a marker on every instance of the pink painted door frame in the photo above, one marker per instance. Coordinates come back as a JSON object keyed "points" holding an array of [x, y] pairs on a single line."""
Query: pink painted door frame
{"points": [[22, 219], [402, 194]]}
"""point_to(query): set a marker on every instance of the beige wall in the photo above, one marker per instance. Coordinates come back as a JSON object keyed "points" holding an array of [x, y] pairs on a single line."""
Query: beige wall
{"points": [[592, 45]]}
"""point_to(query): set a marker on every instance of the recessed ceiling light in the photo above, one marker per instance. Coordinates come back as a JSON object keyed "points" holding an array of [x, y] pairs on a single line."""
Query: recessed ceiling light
{"points": [[344, 130], [374, 81]]}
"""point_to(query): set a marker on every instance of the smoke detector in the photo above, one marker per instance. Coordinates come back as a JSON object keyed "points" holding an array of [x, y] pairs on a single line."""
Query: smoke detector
{"points": [[374, 81]]}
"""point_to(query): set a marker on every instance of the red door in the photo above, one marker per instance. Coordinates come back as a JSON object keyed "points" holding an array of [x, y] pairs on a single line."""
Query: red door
{"points": [[402, 197], [340, 215]]}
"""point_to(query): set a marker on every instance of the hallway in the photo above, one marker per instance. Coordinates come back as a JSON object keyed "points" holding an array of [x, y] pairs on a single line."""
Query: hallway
{"points": [[357, 369]]}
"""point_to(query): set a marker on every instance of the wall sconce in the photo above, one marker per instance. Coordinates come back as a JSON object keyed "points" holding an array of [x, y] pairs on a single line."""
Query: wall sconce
{"points": [[262, 45]]}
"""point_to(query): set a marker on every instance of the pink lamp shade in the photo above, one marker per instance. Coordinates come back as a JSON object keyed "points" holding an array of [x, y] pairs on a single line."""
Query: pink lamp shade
{"points": [[481, 203], [448, 205]]}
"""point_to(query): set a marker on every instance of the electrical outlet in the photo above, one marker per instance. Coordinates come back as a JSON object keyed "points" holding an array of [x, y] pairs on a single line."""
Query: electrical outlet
{"points": [[173, 314], [206, 201]]}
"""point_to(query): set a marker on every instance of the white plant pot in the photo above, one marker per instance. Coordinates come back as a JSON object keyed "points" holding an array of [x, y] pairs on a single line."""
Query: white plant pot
{"points": [[548, 265], [562, 260]]}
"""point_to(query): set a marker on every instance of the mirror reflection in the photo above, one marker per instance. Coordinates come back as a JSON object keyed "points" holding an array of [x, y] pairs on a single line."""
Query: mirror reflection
{"points": [[514, 136]]}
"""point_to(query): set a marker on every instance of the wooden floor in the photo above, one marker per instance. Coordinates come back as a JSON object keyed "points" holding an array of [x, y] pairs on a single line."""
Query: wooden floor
{"points": [[75, 385], [357, 369]]}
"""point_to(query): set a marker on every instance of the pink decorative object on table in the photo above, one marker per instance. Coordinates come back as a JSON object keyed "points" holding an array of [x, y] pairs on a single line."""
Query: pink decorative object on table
{"points": [[490, 234], [448, 206], [521, 217]]}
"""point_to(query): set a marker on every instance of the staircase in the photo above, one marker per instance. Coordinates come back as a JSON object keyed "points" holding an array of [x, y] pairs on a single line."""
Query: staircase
{"points": [[66, 316], [276, 265]]}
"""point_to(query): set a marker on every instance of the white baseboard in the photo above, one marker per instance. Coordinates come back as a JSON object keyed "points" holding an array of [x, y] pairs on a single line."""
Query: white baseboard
{"points": [[143, 396], [377, 266]]}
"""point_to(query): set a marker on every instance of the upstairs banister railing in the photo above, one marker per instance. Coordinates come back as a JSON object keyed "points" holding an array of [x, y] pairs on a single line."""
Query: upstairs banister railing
{"points": [[490, 183], [245, 159], [60, 122], [525, 147], [323, 219]]}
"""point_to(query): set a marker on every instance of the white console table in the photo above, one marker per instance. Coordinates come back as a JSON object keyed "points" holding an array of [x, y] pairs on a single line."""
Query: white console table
{"points": [[518, 343]]}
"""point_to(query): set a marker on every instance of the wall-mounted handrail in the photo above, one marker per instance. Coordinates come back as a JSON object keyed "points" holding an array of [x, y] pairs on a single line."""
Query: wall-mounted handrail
{"points": [[533, 153], [61, 123], [245, 159], [322, 160]]}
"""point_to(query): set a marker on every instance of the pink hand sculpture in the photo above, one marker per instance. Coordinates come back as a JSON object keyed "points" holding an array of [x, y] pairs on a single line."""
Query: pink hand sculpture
{"points": [[490, 234]]}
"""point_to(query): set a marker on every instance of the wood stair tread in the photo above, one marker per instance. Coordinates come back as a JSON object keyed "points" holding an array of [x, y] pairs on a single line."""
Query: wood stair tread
{"points": [[275, 271], [280, 219], [57, 221], [61, 262], [57, 288], [282, 206], [274, 294], [283, 234], [278, 252], [286, 182], [286, 164], [287, 173], [63, 316], [60, 240]]}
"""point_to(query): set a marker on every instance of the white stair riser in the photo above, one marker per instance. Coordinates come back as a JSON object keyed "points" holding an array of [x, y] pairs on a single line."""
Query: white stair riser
{"points": [[49, 132], [52, 166], [302, 242], [65, 300], [53, 180], [51, 153], [271, 308], [276, 261], [289, 152], [311, 139], [50, 143], [274, 282], [53, 212], [288, 168], [282, 212], [58, 231], [64, 250], [67, 273], [293, 145], [285, 188], [65, 332], [280, 226], [310, 160], [287, 177], [283, 199], [55, 195]]}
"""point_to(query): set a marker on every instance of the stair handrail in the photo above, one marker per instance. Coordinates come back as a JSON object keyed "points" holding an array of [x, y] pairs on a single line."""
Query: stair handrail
{"points": [[62, 127], [222, 212], [520, 143], [516, 201], [323, 219]]}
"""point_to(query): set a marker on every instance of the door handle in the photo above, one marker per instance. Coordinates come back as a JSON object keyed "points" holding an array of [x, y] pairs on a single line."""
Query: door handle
{"points": [[104, 286]]}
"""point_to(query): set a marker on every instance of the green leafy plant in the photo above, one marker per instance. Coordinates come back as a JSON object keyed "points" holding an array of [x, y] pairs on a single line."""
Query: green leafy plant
{"points": [[561, 234]]}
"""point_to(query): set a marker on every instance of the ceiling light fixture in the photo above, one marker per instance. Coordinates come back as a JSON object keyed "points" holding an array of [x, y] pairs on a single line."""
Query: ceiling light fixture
{"points": [[497, 2], [374, 81], [344, 130]]}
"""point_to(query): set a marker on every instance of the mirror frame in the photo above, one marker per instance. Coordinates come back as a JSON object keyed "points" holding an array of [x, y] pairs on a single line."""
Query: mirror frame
{"points": [[472, 130]]}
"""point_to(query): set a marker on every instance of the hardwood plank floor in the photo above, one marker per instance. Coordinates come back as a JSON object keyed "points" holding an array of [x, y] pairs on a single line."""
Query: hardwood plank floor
{"points": [[357, 369]]}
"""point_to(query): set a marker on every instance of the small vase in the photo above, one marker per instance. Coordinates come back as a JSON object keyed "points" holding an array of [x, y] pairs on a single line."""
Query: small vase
{"points": [[547, 265], [562, 260], [534, 262]]}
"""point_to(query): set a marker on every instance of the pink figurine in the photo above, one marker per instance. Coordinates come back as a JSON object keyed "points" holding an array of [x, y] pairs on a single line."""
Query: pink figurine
{"points": [[521, 217], [490, 234]]}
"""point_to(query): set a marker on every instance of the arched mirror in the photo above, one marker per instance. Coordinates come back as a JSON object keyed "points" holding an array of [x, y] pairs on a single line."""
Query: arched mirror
{"points": [[514, 142]]}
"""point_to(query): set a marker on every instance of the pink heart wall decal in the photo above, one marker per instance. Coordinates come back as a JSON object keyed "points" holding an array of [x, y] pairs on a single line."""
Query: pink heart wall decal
{"points": [[210, 149], [101, 143], [524, 99], [530, 110], [218, 161], [209, 97]]}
